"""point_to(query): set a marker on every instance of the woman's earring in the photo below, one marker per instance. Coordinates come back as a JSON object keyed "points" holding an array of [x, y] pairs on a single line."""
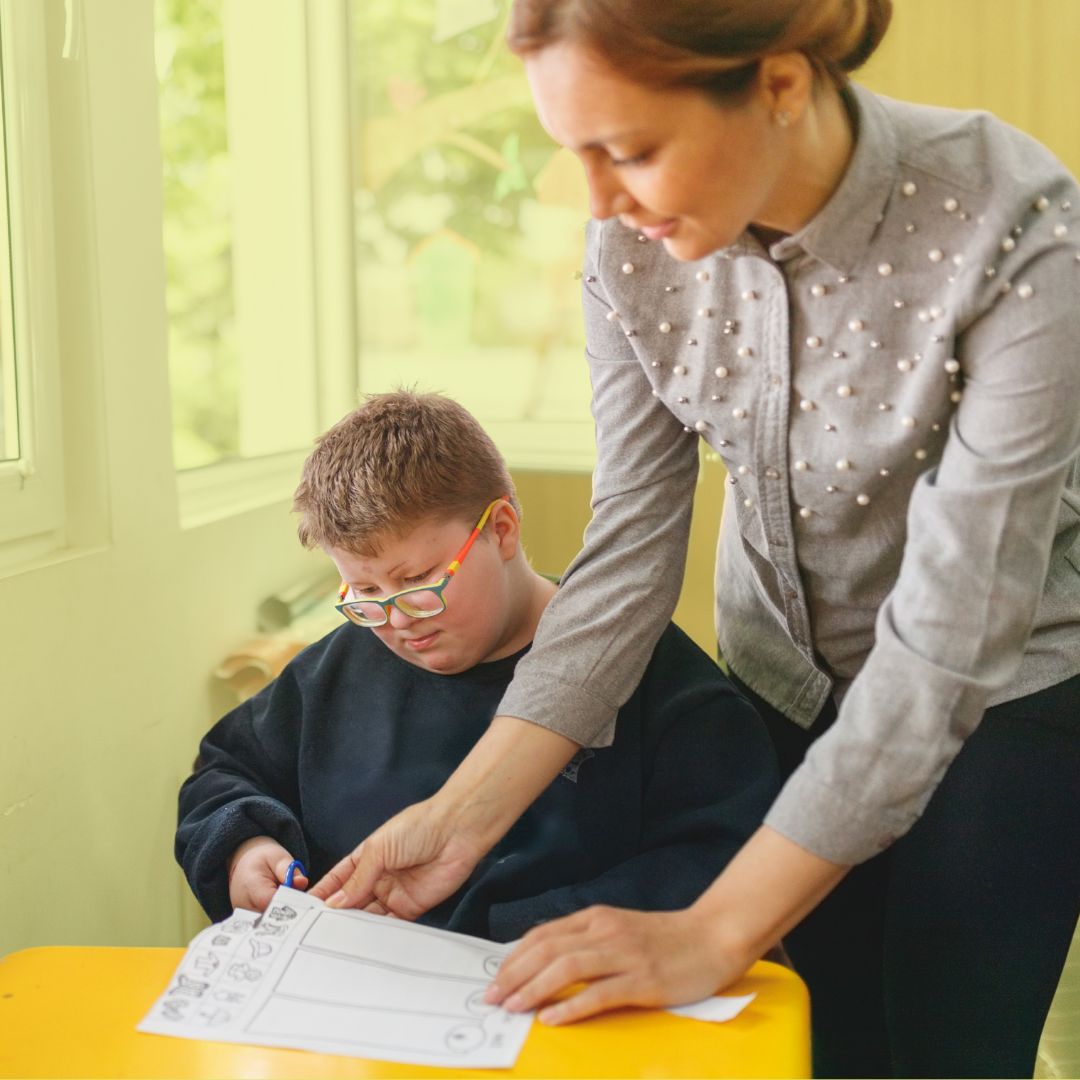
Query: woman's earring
{"points": [[782, 118]]}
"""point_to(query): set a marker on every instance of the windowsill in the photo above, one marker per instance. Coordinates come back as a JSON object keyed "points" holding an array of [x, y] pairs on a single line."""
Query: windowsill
{"points": [[235, 487], [43, 552]]}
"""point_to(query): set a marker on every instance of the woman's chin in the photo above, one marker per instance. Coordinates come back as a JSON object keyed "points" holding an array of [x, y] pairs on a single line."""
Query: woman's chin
{"points": [[690, 248]]}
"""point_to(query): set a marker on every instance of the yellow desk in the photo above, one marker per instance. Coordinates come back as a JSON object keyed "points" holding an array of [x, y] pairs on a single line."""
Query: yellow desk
{"points": [[68, 1012]]}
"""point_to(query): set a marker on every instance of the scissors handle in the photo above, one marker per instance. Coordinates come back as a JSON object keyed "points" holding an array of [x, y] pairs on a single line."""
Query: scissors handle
{"points": [[290, 872]]}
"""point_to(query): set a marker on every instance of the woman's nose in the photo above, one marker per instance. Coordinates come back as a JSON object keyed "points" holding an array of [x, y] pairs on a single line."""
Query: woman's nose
{"points": [[607, 197]]}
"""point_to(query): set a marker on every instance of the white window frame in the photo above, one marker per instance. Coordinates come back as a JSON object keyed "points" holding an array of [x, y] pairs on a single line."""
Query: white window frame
{"points": [[305, 298], [32, 486]]}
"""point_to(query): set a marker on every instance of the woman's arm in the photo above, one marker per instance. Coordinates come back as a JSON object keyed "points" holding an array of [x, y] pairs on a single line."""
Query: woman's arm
{"points": [[422, 855], [667, 958]]}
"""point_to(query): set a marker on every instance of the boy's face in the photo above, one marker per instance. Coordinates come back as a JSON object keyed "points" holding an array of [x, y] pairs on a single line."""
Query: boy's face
{"points": [[481, 621]]}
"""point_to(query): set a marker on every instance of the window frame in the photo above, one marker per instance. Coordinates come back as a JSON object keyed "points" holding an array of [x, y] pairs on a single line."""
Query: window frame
{"points": [[32, 485], [325, 304]]}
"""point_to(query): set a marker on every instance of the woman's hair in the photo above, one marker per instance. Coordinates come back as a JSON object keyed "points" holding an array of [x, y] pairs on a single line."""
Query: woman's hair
{"points": [[714, 45], [397, 460]]}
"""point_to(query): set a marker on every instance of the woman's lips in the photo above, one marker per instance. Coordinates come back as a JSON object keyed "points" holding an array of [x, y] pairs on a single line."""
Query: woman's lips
{"points": [[421, 643], [658, 232]]}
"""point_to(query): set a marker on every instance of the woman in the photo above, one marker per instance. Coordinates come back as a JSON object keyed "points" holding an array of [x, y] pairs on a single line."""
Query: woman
{"points": [[870, 310]]}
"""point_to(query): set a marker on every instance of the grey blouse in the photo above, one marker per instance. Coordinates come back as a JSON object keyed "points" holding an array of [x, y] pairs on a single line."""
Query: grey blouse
{"points": [[895, 391]]}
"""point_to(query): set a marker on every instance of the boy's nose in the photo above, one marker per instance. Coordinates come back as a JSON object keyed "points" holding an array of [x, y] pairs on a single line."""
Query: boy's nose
{"points": [[398, 619]]}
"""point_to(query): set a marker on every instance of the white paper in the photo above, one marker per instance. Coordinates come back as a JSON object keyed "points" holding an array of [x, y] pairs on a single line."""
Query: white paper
{"points": [[716, 1009], [310, 977]]}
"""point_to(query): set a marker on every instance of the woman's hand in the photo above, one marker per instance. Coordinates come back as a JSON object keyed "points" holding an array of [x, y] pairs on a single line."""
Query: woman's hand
{"points": [[424, 854], [625, 957], [404, 868], [256, 869], [668, 958]]}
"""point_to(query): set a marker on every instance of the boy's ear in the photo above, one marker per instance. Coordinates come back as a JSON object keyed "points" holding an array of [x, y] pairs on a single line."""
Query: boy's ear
{"points": [[506, 528]]}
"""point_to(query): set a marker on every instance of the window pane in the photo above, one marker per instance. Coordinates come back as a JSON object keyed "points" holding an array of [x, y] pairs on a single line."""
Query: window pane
{"points": [[469, 228], [203, 366], [238, 237], [9, 417]]}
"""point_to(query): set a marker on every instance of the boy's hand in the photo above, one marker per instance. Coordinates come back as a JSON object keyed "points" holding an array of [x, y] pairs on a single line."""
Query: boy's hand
{"points": [[256, 869]]}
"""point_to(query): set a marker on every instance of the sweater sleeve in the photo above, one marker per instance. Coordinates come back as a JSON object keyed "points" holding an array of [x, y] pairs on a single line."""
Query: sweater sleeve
{"points": [[244, 785], [711, 775], [597, 634]]}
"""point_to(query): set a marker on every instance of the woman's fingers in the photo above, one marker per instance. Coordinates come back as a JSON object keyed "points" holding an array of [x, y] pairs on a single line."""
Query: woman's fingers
{"points": [[336, 877], [540, 953], [358, 889], [598, 997]]}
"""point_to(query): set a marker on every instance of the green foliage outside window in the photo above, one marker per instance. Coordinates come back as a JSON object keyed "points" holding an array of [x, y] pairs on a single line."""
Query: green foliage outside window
{"points": [[203, 366]]}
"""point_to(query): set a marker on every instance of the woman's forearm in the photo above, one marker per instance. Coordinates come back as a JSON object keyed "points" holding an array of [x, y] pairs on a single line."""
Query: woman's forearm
{"points": [[500, 777], [768, 888]]}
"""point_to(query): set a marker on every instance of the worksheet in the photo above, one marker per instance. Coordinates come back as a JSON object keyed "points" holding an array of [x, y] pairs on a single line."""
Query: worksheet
{"points": [[309, 977]]}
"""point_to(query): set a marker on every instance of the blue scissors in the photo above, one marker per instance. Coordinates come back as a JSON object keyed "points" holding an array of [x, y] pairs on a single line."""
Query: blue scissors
{"points": [[290, 873]]}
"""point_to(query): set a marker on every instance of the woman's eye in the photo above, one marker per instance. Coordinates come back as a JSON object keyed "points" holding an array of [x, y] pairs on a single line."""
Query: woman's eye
{"points": [[637, 159]]}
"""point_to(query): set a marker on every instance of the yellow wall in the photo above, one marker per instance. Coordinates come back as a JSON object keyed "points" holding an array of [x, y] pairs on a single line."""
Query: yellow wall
{"points": [[105, 656]]}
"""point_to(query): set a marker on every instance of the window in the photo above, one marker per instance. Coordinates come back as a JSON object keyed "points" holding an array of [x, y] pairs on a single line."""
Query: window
{"points": [[261, 347], [469, 228], [31, 474], [358, 196], [9, 400]]}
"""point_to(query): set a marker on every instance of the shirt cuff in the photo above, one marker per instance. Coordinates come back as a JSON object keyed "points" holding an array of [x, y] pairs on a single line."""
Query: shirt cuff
{"points": [[827, 824], [561, 707]]}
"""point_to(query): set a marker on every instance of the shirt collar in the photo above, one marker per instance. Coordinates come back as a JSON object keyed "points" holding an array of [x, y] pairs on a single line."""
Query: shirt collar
{"points": [[841, 231]]}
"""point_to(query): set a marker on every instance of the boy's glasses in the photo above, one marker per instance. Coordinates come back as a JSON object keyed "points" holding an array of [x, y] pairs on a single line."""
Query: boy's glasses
{"points": [[419, 602]]}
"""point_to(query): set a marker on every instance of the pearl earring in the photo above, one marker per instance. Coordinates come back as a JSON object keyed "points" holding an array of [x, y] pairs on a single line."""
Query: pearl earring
{"points": [[782, 118]]}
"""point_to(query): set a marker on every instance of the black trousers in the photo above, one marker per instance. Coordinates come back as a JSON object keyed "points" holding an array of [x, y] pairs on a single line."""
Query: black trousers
{"points": [[940, 956]]}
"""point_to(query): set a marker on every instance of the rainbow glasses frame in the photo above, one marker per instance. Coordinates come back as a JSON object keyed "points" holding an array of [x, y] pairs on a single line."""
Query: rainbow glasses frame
{"points": [[351, 608]]}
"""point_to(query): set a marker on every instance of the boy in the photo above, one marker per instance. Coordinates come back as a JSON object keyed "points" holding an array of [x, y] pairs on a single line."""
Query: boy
{"points": [[376, 716]]}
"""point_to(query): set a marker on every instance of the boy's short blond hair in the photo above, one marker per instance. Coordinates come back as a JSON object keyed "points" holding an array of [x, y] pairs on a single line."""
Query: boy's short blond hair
{"points": [[399, 459]]}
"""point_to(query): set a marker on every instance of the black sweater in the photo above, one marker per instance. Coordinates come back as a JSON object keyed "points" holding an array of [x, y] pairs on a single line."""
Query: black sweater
{"points": [[349, 734]]}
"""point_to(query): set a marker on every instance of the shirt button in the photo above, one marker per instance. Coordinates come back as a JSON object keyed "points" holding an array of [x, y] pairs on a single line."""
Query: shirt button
{"points": [[772, 474], [791, 594]]}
